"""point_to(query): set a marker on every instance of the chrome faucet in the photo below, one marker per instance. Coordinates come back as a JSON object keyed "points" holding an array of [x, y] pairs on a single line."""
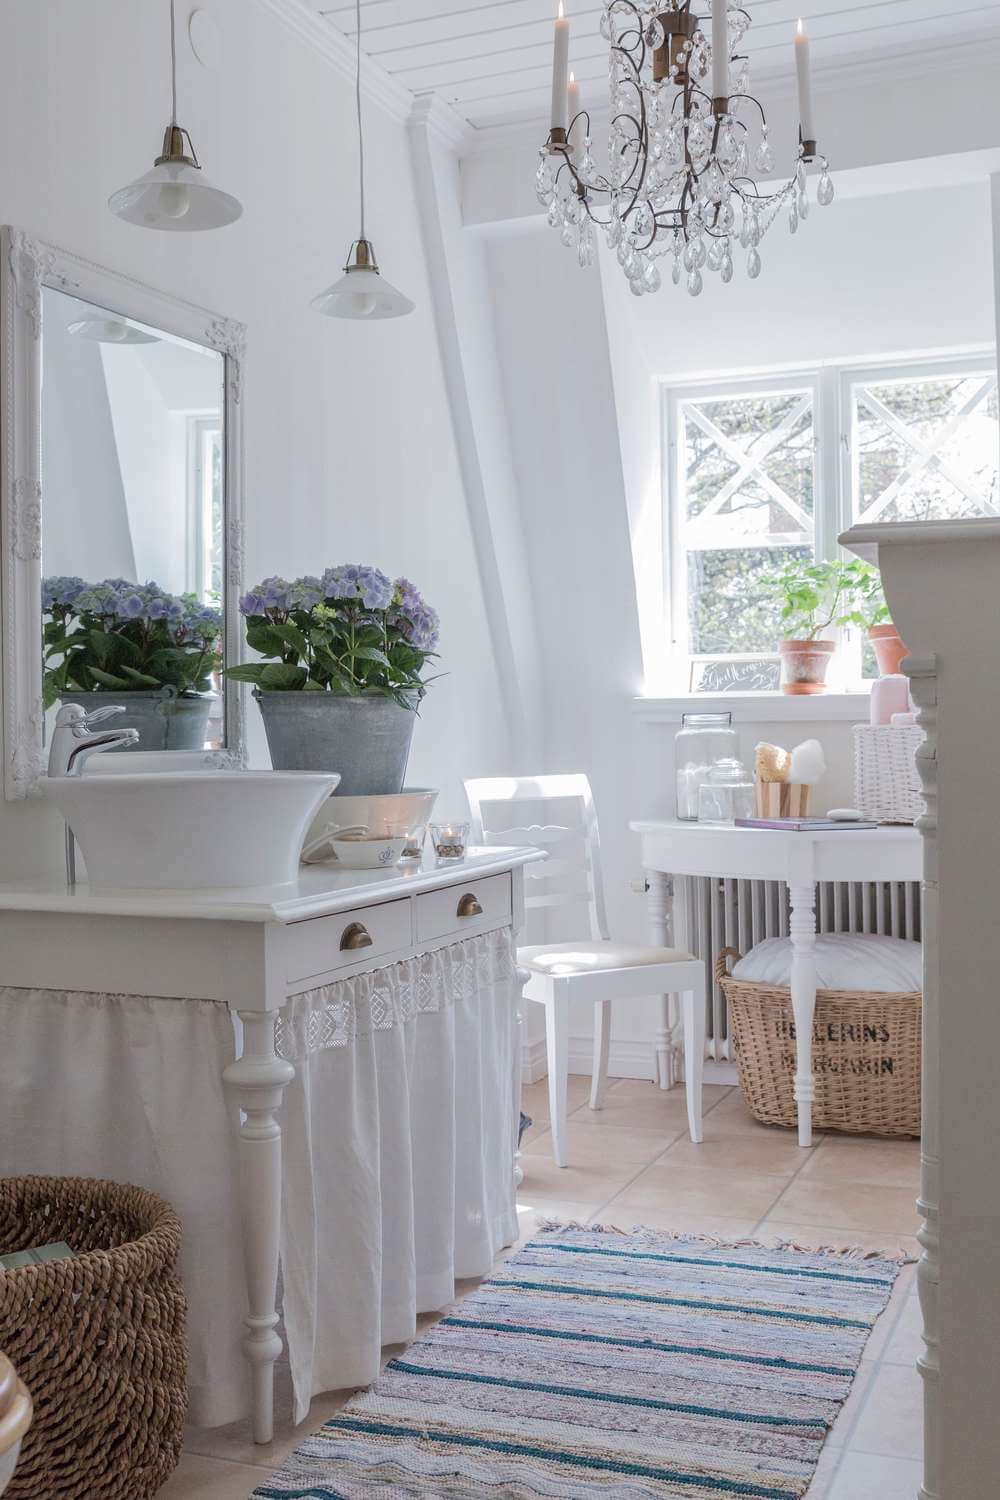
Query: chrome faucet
{"points": [[74, 741]]}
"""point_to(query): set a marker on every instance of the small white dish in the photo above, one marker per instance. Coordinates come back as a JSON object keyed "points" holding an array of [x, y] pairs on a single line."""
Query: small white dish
{"points": [[367, 853]]}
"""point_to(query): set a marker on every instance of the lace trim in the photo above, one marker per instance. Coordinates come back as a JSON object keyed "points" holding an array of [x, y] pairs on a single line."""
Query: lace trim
{"points": [[335, 1014]]}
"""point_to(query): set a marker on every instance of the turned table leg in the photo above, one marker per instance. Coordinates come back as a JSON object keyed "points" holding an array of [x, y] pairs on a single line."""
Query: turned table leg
{"points": [[660, 913], [802, 927], [259, 1079]]}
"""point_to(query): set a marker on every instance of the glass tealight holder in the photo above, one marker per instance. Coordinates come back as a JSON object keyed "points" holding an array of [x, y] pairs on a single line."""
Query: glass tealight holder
{"points": [[727, 794], [450, 840]]}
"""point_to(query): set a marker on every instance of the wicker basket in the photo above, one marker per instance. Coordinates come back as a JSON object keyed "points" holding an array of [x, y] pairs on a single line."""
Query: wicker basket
{"points": [[98, 1339], [866, 1055], [886, 780]]}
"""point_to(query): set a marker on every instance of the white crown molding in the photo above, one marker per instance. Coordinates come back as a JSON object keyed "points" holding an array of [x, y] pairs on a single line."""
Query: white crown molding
{"points": [[441, 120], [331, 44]]}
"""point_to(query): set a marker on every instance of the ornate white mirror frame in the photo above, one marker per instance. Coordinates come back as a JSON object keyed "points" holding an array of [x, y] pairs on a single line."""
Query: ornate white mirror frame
{"points": [[27, 266]]}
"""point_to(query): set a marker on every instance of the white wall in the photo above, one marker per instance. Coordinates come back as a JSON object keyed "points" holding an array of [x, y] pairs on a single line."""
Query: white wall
{"points": [[870, 276], [350, 448]]}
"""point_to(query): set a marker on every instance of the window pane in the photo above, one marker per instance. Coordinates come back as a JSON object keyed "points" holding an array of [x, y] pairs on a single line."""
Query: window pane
{"points": [[926, 449], [748, 470], [727, 613], [747, 464]]}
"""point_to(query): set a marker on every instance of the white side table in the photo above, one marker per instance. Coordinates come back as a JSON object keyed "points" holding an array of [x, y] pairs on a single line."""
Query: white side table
{"points": [[672, 848]]}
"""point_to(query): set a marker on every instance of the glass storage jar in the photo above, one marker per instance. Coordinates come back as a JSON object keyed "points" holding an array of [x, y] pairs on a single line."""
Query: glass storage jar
{"points": [[702, 740], [726, 794]]}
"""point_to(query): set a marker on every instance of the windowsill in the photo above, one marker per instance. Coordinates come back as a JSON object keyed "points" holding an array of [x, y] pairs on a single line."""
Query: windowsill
{"points": [[759, 708]]}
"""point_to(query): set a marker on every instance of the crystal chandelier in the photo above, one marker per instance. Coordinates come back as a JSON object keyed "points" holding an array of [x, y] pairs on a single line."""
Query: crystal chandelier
{"points": [[685, 135]]}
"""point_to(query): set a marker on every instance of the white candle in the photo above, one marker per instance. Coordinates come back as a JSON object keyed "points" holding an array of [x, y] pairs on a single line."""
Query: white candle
{"points": [[560, 71], [720, 49], [805, 83], [577, 131]]}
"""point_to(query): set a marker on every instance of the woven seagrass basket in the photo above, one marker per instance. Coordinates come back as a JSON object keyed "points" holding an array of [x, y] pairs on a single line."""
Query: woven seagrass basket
{"points": [[98, 1339], [866, 1055]]}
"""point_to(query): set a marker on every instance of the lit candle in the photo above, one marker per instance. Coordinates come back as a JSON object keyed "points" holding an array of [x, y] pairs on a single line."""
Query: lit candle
{"points": [[560, 71], [720, 49], [577, 131], [805, 83]]}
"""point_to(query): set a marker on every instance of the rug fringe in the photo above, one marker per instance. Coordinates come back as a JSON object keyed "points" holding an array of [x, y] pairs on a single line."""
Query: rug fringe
{"points": [[843, 1252]]}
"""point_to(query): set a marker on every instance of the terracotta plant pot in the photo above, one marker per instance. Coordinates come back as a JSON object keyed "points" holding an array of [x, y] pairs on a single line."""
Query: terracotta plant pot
{"points": [[804, 665], [889, 649]]}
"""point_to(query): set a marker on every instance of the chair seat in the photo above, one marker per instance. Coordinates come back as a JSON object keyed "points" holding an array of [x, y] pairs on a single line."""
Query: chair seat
{"points": [[561, 959]]}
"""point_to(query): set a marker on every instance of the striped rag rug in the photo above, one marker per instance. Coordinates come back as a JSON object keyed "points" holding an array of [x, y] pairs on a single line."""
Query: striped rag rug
{"points": [[595, 1363]]}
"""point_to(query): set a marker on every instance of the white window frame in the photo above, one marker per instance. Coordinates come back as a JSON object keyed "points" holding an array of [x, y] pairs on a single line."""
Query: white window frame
{"points": [[830, 385]]}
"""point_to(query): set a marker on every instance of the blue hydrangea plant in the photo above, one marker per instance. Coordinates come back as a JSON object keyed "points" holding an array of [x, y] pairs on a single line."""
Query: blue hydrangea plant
{"points": [[351, 631], [124, 637]]}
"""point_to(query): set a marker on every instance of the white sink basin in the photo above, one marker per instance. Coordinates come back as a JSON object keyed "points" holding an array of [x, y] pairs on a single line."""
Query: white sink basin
{"points": [[179, 831]]}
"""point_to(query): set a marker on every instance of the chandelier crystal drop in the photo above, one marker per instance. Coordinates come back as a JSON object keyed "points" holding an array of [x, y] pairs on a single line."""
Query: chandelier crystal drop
{"points": [[685, 138]]}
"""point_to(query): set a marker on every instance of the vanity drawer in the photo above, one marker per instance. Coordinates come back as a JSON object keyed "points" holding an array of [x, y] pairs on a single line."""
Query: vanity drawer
{"points": [[328, 943], [475, 906]]}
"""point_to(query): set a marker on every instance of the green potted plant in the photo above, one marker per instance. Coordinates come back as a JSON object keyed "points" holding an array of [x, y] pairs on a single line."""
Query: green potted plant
{"points": [[121, 642], [813, 598], [871, 613], [345, 658]]}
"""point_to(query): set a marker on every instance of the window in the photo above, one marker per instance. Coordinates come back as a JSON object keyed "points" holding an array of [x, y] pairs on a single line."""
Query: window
{"points": [[205, 507], [765, 470]]}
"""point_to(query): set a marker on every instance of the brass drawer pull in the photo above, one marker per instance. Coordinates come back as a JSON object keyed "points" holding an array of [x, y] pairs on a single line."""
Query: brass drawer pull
{"points": [[469, 906], [355, 936]]}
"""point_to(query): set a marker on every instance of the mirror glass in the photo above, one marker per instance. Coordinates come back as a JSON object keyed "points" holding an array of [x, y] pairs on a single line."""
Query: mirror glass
{"points": [[133, 477]]}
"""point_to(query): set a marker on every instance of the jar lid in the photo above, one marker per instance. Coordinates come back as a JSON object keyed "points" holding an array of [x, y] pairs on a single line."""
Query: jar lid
{"points": [[706, 721]]}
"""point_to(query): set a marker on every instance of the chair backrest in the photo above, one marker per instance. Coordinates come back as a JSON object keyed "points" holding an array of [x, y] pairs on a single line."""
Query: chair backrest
{"points": [[571, 876]]}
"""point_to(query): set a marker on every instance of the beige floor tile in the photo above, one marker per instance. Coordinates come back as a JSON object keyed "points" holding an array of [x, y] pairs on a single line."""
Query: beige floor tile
{"points": [[906, 1344], [535, 1096], [839, 1237], [731, 1116], [593, 1184], [591, 1143], [640, 1105], [891, 1420], [863, 1476], [859, 1205], [843, 1428], [887, 1163], [825, 1471], [732, 1194], [675, 1221], [750, 1153], [531, 1215], [197, 1478]]}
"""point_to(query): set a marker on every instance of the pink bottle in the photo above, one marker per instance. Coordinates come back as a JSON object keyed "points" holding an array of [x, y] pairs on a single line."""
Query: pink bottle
{"points": [[890, 695]]}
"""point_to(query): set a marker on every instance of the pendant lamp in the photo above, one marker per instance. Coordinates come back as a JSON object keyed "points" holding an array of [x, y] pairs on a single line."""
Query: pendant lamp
{"points": [[175, 194], [362, 291]]}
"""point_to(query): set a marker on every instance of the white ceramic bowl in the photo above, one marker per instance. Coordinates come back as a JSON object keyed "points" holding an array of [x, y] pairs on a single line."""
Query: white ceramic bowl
{"points": [[367, 854], [390, 814]]}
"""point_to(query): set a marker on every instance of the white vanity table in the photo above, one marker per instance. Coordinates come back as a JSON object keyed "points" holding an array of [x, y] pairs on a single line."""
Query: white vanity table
{"points": [[255, 950], [672, 848]]}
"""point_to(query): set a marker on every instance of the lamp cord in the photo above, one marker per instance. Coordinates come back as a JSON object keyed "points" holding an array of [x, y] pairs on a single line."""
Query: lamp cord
{"points": [[361, 136], [173, 65]]}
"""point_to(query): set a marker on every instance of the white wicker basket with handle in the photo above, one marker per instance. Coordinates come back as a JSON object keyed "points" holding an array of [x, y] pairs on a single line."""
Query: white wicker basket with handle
{"points": [[886, 781]]}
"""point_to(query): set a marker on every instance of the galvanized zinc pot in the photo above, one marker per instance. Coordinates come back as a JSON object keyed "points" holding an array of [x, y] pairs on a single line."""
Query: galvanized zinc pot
{"points": [[164, 721], [367, 739]]}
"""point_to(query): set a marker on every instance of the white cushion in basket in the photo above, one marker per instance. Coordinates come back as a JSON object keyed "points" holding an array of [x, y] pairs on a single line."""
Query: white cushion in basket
{"points": [[844, 961], [592, 958]]}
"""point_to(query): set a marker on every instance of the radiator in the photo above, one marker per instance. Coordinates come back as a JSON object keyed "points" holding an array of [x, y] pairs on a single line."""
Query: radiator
{"points": [[712, 914]]}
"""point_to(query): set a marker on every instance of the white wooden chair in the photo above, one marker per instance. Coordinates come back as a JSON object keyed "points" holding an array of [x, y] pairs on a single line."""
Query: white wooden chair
{"points": [[595, 969]]}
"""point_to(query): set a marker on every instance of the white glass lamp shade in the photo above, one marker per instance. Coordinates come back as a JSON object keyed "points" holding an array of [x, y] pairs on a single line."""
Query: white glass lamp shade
{"points": [[110, 330], [175, 195], [362, 292]]}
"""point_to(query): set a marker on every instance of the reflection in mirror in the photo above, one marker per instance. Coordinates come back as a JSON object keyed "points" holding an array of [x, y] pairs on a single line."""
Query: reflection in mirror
{"points": [[133, 474]]}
